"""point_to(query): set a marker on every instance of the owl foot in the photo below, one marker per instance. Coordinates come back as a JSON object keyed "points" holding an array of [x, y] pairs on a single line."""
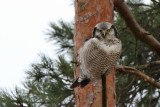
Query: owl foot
{"points": [[82, 83], [86, 38], [76, 63]]}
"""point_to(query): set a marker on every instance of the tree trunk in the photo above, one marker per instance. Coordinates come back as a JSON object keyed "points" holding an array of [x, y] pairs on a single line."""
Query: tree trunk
{"points": [[87, 14]]}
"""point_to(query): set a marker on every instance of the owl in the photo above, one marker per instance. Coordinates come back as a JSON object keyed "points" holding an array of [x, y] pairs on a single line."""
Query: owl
{"points": [[99, 55]]}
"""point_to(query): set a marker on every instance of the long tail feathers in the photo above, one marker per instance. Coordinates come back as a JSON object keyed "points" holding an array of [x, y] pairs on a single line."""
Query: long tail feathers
{"points": [[82, 83], [75, 84]]}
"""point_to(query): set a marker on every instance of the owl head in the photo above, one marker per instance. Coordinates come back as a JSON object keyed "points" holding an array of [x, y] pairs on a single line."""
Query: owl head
{"points": [[105, 30]]}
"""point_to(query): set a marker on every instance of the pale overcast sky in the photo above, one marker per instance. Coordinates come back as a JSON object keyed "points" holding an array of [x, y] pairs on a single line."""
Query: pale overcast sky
{"points": [[22, 26]]}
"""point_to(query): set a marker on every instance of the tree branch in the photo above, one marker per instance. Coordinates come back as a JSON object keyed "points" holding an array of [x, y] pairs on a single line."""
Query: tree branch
{"points": [[135, 28], [152, 64], [138, 73]]}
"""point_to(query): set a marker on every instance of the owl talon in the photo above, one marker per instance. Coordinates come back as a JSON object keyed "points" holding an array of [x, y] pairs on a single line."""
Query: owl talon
{"points": [[76, 63], [86, 38]]}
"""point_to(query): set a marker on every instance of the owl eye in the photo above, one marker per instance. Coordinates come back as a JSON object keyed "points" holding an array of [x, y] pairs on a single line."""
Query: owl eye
{"points": [[109, 30], [98, 30]]}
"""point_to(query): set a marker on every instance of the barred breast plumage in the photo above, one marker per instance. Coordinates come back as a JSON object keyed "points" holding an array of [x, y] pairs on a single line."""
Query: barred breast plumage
{"points": [[98, 57]]}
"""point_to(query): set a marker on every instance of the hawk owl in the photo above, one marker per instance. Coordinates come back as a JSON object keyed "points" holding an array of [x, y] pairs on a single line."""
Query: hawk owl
{"points": [[99, 55]]}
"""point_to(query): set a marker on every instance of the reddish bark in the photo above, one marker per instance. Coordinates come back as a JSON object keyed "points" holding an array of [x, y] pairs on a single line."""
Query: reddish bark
{"points": [[87, 14]]}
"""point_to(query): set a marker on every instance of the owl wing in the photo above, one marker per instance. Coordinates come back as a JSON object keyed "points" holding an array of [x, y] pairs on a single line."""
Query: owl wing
{"points": [[93, 59]]}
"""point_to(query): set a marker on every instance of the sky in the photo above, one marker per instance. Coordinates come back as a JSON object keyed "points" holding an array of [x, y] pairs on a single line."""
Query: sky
{"points": [[22, 34]]}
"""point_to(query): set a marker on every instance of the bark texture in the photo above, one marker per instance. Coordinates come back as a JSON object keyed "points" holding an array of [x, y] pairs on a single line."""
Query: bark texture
{"points": [[87, 14], [139, 33]]}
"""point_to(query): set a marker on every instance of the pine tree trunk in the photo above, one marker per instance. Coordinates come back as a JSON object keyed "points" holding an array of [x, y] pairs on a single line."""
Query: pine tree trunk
{"points": [[87, 14]]}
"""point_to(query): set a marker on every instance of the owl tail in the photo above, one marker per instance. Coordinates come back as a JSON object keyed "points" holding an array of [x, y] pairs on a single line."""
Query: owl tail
{"points": [[82, 83]]}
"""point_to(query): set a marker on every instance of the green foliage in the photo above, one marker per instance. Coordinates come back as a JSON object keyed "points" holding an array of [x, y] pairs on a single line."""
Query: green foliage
{"points": [[6, 100], [130, 89], [49, 81], [14, 99], [63, 35]]}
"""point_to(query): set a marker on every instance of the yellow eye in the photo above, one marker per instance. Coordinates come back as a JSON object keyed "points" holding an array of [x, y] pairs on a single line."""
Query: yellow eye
{"points": [[98, 31], [109, 30]]}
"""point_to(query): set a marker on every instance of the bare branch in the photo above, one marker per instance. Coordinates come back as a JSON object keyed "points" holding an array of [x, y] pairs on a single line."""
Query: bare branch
{"points": [[138, 73], [152, 64], [135, 28]]}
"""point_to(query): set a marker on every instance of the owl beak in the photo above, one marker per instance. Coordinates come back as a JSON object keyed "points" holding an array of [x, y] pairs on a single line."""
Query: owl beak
{"points": [[104, 33]]}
